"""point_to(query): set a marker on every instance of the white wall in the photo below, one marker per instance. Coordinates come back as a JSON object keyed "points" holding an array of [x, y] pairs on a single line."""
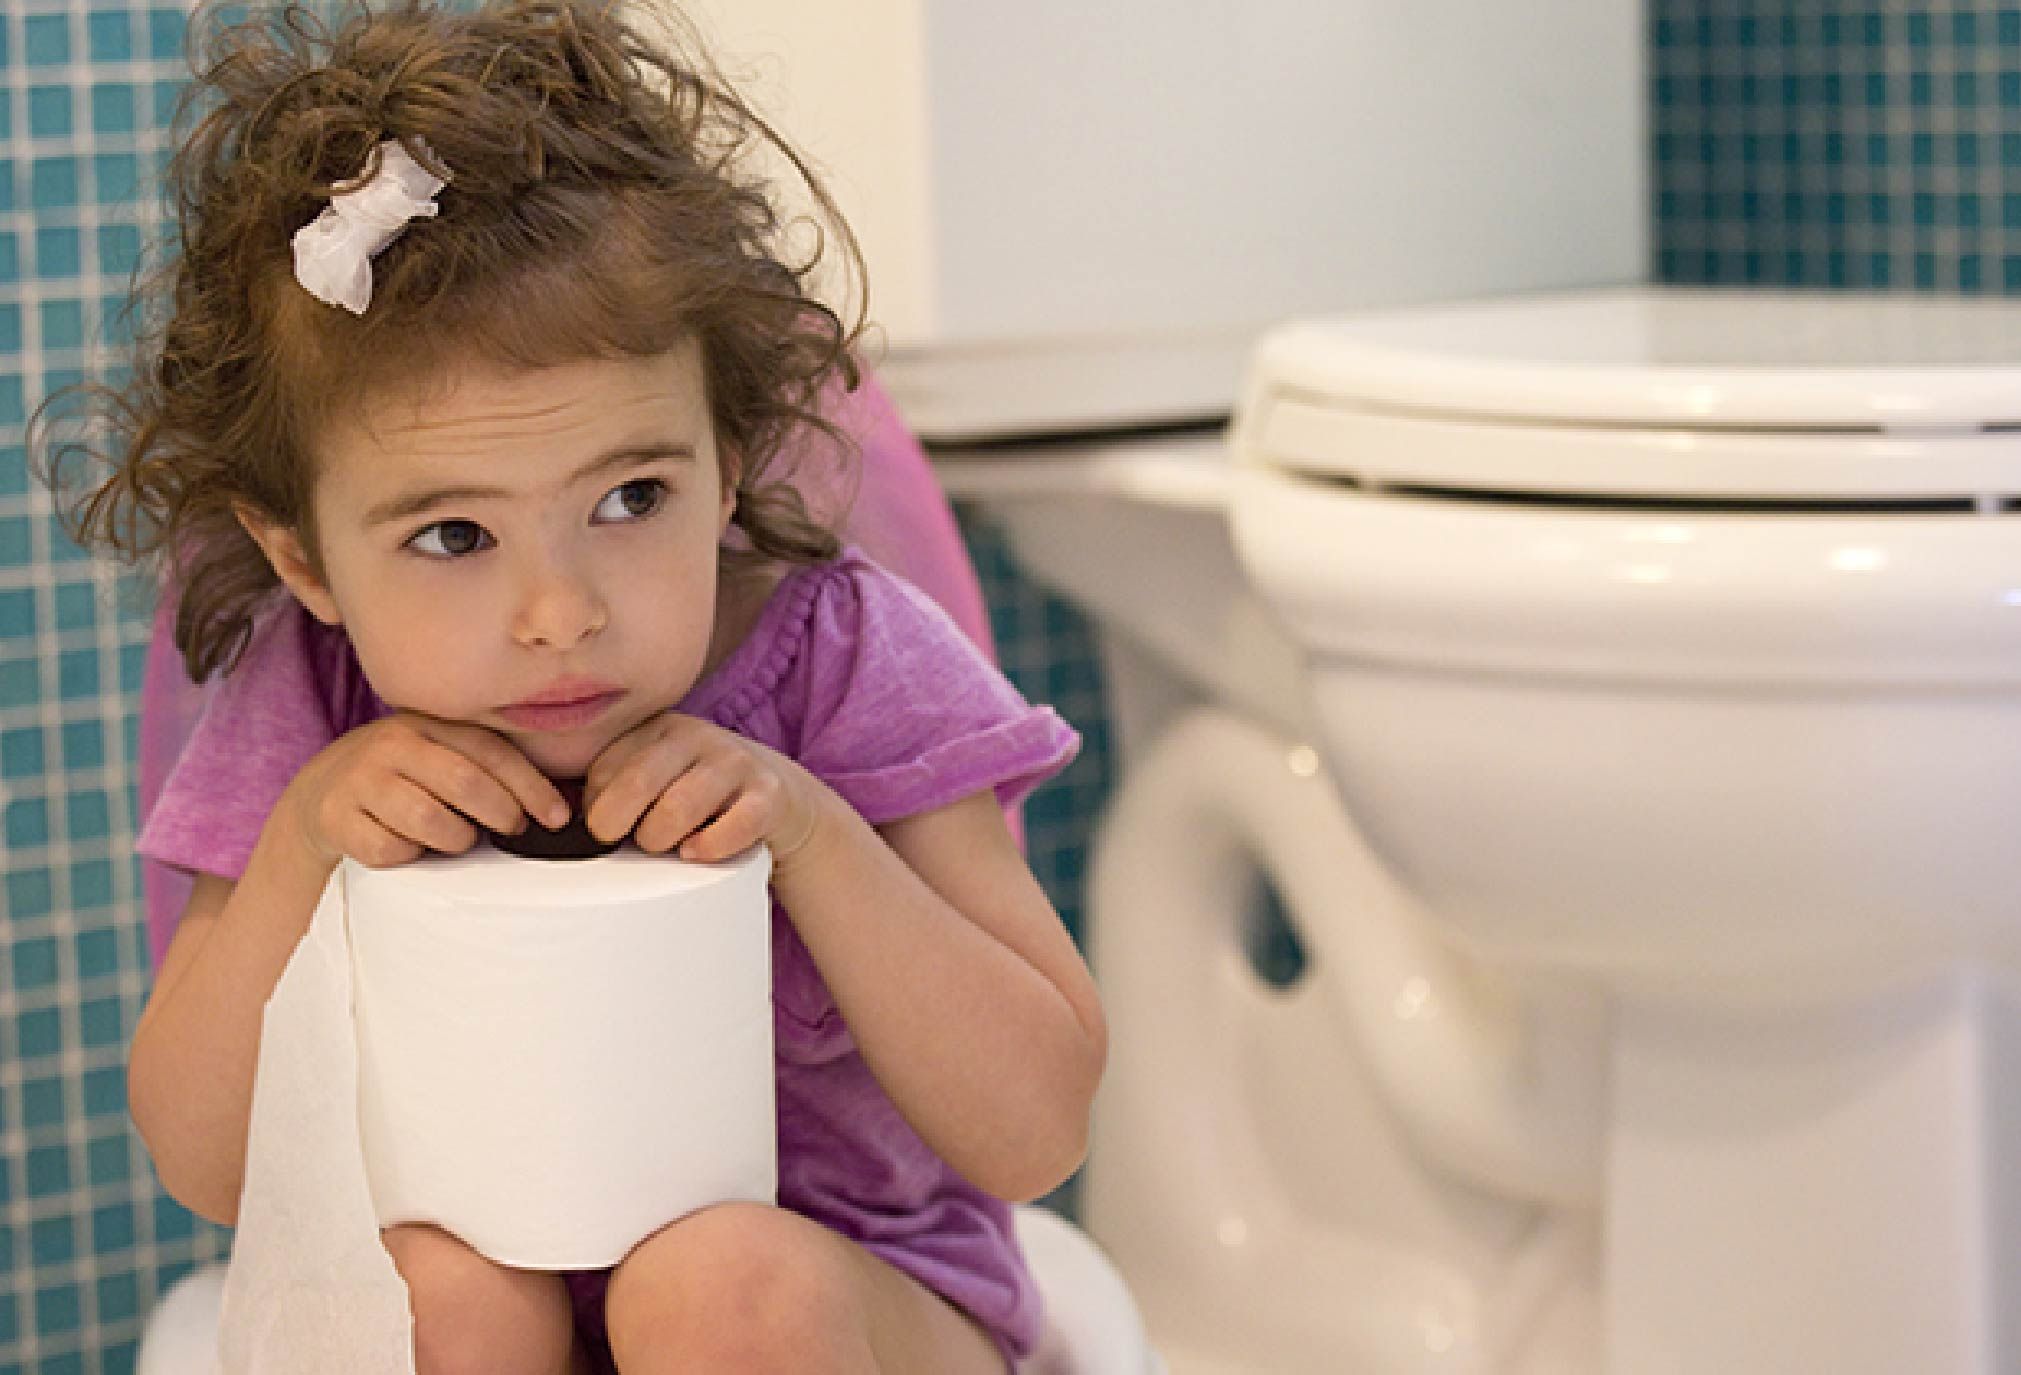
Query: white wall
{"points": [[846, 81], [1058, 167], [1156, 163]]}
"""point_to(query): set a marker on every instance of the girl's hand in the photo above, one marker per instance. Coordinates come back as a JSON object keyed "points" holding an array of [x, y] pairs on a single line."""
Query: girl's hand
{"points": [[679, 783], [388, 791]]}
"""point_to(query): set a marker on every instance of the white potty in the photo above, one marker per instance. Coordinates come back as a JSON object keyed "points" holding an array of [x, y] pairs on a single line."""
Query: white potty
{"points": [[1092, 1327], [181, 1336]]}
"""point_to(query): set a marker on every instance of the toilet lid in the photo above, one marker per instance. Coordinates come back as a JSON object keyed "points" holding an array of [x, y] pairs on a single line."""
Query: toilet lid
{"points": [[1655, 392]]}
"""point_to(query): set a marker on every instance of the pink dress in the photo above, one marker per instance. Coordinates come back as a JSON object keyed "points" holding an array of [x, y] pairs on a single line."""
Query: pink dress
{"points": [[866, 682]]}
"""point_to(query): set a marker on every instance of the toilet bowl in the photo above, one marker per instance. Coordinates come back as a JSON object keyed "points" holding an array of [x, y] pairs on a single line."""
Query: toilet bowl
{"points": [[1671, 641], [1620, 693]]}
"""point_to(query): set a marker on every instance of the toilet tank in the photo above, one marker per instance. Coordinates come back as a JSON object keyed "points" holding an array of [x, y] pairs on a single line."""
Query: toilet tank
{"points": [[1168, 168]]}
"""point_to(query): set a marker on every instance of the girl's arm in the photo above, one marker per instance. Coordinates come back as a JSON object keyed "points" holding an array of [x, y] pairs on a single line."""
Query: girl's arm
{"points": [[189, 1074], [961, 986]]}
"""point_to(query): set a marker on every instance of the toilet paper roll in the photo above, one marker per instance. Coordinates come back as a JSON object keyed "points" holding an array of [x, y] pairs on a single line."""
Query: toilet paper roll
{"points": [[550, 1059], [557, 1058]]}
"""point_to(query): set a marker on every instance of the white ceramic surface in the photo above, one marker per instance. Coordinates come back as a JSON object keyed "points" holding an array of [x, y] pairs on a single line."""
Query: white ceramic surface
{"points": [[1610, 709], [1677, 806], [1667, 357]]}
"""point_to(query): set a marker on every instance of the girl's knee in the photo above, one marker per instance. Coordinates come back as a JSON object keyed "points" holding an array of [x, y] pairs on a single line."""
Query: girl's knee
{"points": [[755, 1288], [473, 1315]]}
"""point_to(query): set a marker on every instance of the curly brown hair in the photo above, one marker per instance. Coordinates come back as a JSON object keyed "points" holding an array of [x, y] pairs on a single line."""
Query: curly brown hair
{"points": [[602, 203]]}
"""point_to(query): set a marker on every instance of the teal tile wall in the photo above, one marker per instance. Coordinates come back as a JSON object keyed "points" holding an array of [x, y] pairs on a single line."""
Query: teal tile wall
{"points": [[86, 1237], [1838, 144]]}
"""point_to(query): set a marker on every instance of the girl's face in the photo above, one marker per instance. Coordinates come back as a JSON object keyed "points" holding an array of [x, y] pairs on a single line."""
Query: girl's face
{"points": [[535, 552]]}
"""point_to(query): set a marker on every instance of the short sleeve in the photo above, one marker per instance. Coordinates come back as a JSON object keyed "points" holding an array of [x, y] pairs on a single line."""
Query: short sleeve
{"points": [[290, 694], [903, 713]]}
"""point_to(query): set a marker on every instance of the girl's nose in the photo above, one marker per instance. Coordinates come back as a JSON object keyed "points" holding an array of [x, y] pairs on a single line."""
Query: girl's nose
{"points": [[559, 609]]}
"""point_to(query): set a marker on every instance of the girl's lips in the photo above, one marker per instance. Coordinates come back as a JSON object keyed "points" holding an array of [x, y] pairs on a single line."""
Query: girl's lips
{"points": [[567, 714]]}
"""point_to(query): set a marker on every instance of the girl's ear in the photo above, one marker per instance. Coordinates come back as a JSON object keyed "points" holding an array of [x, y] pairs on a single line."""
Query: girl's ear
{"points": [[733, 473], [291, 563]]}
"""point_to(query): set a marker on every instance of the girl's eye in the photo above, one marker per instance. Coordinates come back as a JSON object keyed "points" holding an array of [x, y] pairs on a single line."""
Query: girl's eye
{"points": [[633, 500], [451, 539]]}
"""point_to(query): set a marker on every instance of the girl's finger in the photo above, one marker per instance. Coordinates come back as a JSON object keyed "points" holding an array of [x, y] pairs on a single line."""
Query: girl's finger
{"points": [[411, 812], [731, 832], [616, 802], [687, 804], [531, 790], [464, 784], [615, 759], [668, 732], [375, 847]]}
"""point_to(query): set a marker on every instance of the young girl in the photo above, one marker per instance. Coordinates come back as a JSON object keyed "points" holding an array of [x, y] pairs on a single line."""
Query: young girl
{"points": [[481, 346]]}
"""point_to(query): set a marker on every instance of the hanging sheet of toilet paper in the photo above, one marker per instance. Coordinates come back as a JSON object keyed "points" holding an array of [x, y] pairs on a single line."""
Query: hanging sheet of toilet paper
{"points": [[549, 1059]]}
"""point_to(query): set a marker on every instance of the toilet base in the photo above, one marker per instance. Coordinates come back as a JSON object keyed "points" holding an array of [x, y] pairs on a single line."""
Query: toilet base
{"points": [[1826, 1190], [1382, 1311], [1787, 1191]]}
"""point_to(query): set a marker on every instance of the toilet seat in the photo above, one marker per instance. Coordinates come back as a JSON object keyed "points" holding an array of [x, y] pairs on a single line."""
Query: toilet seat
{"points": [[1839, 401]]}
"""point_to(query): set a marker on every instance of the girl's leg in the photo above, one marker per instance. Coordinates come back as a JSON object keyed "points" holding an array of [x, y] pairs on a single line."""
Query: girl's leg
{"points": [[473, 1316], [752, 1289]]}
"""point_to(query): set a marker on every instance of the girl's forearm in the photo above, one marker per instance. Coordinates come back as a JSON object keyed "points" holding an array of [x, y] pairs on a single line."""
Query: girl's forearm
{"points": [[190, 1070], [991, 1061]]}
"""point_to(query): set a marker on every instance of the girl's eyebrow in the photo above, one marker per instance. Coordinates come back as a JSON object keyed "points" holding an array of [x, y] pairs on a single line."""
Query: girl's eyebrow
{"points": [[407, 505]]}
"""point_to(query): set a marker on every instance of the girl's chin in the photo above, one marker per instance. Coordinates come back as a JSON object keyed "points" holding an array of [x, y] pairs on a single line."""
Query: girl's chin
{"points": [[560, 757], [568, 754]]}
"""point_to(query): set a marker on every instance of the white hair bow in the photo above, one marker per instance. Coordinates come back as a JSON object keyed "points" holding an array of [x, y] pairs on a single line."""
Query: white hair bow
{"points": [[334, 251]]}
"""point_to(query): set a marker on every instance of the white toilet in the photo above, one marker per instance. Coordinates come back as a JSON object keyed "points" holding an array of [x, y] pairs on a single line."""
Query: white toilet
{"points": [[1622, 693]]}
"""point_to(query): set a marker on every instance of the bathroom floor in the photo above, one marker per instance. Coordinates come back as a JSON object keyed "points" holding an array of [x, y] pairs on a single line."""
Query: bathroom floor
{"points": [[1564, 1339]]}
